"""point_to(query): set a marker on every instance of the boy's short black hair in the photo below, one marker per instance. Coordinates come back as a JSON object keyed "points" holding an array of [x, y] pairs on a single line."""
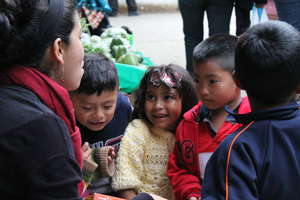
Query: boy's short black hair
{"points": [[99, 75], [220, 48], [267, 62]]}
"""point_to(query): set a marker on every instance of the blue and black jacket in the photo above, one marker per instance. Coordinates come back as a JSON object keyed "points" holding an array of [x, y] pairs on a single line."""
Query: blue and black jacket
{"points": [[261, 160]]}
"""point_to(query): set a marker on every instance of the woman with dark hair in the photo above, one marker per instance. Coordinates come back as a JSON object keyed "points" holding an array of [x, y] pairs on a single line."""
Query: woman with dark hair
{"points": [[41, 59]]}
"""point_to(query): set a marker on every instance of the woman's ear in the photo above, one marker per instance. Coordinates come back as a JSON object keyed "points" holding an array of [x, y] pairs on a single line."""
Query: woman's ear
{"points": [[57, 51]]}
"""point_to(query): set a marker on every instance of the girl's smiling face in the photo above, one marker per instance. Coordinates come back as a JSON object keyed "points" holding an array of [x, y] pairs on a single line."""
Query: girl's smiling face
{"points": [[163, 107]]}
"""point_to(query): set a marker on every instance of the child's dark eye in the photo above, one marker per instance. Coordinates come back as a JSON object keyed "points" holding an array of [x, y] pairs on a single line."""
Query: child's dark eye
{"points": [[150, 97], [213, 81], [169, 97]]}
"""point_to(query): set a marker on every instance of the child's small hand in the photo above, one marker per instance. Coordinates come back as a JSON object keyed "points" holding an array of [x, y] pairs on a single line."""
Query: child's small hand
{"points": [[105, 157], [195, 198], [86, 151], [111, 155], [156, 197]]}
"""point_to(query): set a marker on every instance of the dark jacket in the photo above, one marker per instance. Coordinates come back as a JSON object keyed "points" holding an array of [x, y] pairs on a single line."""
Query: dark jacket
{"points": [[263, 160], [37, 158]]}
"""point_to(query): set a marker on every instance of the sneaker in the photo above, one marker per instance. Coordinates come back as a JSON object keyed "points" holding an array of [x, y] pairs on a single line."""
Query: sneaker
{"points": [[133, 13]]}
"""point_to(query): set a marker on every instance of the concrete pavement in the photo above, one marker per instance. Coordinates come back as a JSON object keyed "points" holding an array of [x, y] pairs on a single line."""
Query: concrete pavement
{"points": [[152, 5], [159, 34]]}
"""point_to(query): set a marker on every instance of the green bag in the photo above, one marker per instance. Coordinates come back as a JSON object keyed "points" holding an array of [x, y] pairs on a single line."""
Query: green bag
{"points": [[131, 75]]}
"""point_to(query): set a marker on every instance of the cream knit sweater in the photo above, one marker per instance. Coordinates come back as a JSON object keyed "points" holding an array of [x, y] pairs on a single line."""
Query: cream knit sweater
{"points": [[142, 160]]}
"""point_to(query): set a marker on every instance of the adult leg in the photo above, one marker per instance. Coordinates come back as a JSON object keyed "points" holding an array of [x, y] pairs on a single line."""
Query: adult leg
{"points": [[114, 6], [289, 11], [219, 18], [132, 7], [242, 19], [192, 13]]}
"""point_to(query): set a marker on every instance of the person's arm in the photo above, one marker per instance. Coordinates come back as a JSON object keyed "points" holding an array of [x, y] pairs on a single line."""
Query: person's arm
{"points": [[185, 184], [242, 175], [47, 160]]}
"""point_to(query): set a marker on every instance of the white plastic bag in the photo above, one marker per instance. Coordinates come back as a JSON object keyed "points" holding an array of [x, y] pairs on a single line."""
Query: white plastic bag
{"points": [[258, 15]]}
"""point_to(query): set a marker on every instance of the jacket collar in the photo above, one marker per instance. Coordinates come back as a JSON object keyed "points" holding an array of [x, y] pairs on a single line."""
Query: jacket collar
{"points": [[282, 112]]}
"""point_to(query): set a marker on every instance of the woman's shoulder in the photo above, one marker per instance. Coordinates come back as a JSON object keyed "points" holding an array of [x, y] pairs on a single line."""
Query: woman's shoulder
{"points": [[20, 106]]}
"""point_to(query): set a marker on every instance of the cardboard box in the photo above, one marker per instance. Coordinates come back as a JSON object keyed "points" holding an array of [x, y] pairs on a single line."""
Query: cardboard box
{"points": [[97, 196]]}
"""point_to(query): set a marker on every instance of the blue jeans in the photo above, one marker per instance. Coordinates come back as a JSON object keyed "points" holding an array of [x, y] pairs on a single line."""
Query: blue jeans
{"points": [[289, 11], [192, 12]]}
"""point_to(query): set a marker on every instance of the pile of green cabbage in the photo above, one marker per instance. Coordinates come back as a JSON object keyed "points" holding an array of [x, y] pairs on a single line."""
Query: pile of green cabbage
{"points": [[115, 43]]}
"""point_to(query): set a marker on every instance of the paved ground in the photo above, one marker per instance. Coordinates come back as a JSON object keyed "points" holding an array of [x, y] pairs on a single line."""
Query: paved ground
{"points": [[159, 35]]}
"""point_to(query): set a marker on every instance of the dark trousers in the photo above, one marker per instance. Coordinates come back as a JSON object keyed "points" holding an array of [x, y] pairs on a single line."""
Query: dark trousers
{"points": [[192, 12], [289, 11], [131, 5], [242, 19]]}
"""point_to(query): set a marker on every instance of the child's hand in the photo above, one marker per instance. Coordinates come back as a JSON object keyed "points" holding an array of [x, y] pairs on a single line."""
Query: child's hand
{"points": [[105, 157], [156, 197], [195, 198], [86, 151], [111, 155]]}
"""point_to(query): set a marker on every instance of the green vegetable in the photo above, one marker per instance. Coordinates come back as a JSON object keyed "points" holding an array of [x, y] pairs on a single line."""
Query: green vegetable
{"points": [[129, 58], [115, 32], [116, 41], [118, 51]]}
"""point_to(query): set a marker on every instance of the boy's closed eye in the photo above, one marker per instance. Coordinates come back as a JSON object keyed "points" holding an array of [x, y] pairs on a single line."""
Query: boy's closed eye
{"points": [[107, 107], [87, 108]]}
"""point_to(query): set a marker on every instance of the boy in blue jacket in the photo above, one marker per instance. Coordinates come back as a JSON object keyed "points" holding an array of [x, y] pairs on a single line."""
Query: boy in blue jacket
{"points": [[102, 114], [261, 160]]}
